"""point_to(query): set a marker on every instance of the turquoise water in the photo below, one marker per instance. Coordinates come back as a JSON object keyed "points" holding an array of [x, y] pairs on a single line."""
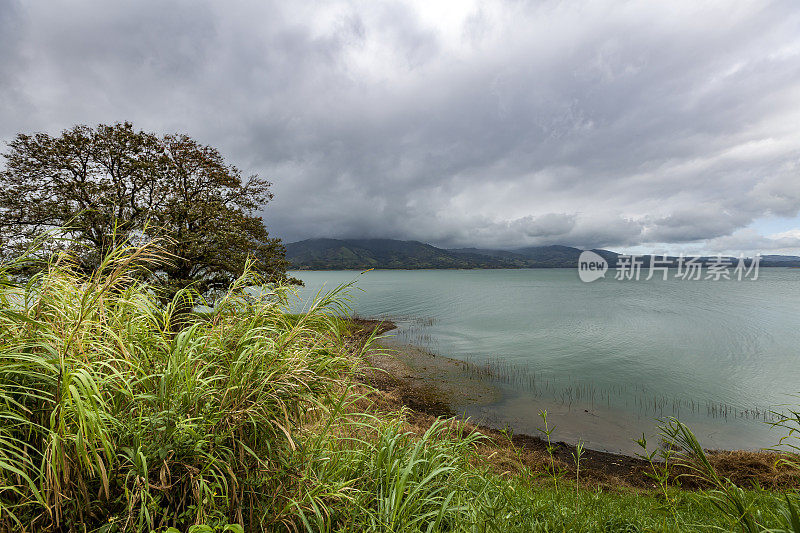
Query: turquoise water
{"points": [[604, 358]]}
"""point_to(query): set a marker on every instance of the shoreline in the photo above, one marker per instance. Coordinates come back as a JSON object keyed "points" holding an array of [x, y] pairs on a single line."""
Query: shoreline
{"points": [[411, 269], [433, 386]]}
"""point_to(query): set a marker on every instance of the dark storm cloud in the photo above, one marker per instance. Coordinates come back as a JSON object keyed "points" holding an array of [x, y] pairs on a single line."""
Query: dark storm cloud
{"points": [[486, 123]]}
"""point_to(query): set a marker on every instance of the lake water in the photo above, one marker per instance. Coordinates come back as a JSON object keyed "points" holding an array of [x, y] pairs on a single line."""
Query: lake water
{"points": [[603, 358]]}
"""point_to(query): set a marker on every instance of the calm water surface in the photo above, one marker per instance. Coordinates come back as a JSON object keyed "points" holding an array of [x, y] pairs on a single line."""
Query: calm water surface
{"points": [[604, 358]]}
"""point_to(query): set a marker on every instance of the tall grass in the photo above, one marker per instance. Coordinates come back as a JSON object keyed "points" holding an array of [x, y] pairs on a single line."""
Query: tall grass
{"points": [[376, 476], [112, 417], [742, 508]]}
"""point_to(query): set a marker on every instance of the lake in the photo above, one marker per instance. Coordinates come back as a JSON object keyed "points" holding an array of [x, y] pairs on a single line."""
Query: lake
{"points": [[603, 358]]}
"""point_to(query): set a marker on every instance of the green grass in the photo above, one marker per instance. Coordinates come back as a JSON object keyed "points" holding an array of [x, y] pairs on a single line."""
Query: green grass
{"points": [[120, 413], [117, 411], [391, 480], [367, 473]]}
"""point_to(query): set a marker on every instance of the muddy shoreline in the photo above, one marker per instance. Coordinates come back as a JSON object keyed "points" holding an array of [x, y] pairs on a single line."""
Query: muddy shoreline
{"points": [[434, 386]]}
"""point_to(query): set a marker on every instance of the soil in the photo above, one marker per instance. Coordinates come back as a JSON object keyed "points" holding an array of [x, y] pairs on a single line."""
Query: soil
{"points": [[431, 386]]}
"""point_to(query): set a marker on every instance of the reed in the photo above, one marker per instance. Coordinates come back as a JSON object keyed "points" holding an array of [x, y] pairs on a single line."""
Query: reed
{"points": [[580, 394]]}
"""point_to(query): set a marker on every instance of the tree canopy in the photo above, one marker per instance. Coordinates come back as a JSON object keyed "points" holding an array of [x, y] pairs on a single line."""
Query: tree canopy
{"points": [[111, 184]]}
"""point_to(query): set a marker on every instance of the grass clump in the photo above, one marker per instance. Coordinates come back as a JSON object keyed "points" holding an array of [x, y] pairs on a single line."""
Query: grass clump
{"points": [[741, 508], [122, 413]]}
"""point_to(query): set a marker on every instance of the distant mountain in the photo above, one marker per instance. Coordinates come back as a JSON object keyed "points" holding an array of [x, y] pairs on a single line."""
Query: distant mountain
{"points": [[781, 259], [552, 256], [503, 254], [507, 258], [555, 256], [362, 254]]}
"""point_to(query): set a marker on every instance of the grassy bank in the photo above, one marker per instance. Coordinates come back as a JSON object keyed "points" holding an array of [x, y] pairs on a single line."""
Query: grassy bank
{"points": [[121, 413]]}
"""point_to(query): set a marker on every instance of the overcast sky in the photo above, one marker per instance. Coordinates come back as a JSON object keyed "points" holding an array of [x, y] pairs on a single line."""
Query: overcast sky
{"points": [[640, 126]]}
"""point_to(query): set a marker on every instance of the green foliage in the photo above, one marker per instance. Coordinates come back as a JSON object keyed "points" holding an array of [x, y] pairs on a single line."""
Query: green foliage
{"points": [[366, 474], [576, 456], [547, 431], [740, 507], [789, 421], [660, 461], [108, 185], [390, 483], [110, 417]]}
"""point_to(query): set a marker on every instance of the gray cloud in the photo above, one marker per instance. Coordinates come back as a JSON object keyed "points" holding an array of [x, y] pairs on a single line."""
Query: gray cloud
{"points": [[593, 123], [782, 243]]}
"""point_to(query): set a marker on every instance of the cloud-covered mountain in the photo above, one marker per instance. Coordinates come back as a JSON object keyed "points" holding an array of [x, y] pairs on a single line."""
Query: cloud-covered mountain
{"points": [[363, 254]]}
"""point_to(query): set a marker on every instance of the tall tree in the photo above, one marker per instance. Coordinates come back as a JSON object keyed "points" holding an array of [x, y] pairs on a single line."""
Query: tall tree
{"points": [[112, 183]]}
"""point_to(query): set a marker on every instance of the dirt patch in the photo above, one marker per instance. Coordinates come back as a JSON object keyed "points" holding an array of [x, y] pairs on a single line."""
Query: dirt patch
{"points": [[363, 328]]}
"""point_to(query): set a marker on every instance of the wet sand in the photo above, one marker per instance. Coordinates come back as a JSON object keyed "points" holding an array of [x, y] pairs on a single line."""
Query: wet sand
{"points": [[444, 379]]}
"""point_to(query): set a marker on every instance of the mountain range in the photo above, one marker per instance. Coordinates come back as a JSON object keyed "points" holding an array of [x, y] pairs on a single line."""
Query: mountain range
{"points": [[362, 254]]}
